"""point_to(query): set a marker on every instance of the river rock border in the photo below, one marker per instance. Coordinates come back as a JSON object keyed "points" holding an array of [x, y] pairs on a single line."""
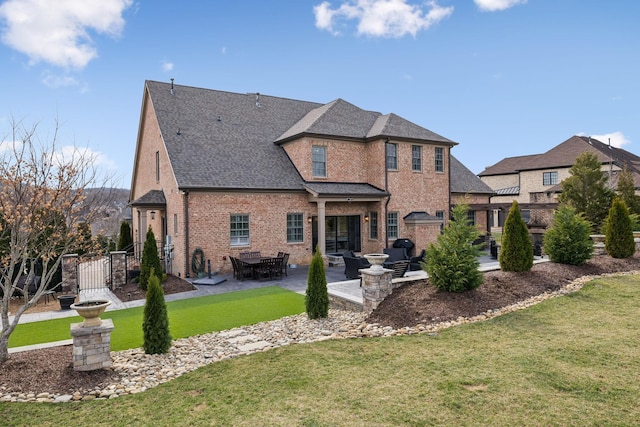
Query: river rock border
{"points": [[139, 372]]}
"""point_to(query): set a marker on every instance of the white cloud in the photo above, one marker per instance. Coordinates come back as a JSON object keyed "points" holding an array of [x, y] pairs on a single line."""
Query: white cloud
{"points": [[55, 81], [493, 5], [381, 18], [223, 50], [167, 66], [57, 32], [618, 140]]}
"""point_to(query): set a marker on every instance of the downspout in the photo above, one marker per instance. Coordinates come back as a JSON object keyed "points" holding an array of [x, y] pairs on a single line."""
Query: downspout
{"points": [[386, 188], [186, 234], [449, 172]]}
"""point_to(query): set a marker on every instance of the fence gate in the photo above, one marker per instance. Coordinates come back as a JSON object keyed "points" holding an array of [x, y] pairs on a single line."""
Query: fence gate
{"points": [[94, 272]]}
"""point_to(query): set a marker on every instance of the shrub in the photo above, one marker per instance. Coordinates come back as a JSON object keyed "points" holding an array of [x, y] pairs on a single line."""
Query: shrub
{"points": [[155, 325], [317, 296], [516, 252], [125, 239], [150, 260], [452, 263], [568, 241], [618, 240]]}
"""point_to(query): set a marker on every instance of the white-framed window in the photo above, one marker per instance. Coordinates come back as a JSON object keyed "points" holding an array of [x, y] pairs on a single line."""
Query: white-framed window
{"points": [[319, 161], [392, 156], [392, 225], [295, 227], [549, 178], [440, 215], [416, 158], [471, 217], [439, 159], [373, 225], [239, 235]]}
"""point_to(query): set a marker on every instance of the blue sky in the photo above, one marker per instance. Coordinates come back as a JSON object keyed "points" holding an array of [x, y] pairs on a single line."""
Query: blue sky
{"points": [[500, 77]]}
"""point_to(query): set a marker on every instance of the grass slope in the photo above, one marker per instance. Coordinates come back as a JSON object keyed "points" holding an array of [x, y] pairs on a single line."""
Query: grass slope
{"points": [[572, 360], [187, 317]]}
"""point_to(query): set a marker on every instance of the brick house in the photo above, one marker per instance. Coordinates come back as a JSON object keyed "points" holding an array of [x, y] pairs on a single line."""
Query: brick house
{"points": [[535, 180], [230, 172]]}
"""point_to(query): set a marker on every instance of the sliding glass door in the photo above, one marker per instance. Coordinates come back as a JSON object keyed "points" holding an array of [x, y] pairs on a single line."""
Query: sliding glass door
{"points": [[342, 233]]}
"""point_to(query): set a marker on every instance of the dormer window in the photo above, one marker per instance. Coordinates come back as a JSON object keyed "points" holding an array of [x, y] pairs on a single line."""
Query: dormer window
{"points": [[319, 161]]}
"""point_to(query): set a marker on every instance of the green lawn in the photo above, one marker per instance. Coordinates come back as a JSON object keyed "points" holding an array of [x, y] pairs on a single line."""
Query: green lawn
{"points": [[572, 360], [187, 317]]}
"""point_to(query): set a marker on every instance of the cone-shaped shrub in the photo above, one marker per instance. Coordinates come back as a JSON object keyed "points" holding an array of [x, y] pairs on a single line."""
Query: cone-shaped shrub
{"points": [[568, 241], [516, 252], [452, 263], [618, 240], [317, 295], [155, 324], [150, 260], [125, 240]]}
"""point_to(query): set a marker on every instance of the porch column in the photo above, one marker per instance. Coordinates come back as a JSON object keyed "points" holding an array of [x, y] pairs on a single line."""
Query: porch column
{"points": [[321, 226]]}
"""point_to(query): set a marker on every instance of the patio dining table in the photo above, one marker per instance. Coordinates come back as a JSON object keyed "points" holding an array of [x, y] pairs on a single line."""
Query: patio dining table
{"points": [[254, 264]]}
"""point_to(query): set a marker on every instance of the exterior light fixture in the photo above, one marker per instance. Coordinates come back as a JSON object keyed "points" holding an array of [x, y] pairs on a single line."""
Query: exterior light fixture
{"points": [[309, 219], [366, 218], [153, 215]]}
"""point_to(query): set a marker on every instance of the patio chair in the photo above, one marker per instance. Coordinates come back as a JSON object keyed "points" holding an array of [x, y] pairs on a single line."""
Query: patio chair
{"points": [[241, 269], [416, 260], [285, 263], [400, 268], [266, 268], [352, 265]]}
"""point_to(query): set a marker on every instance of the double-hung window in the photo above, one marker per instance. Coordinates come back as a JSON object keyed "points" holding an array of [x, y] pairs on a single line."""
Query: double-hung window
{"points": [[319, 161], [416, 158], [471, 217], [295, 229], [549, 178], [440, 215], [373, 225], [239, 235], [439, 159], [392, 156], [392, 225]]}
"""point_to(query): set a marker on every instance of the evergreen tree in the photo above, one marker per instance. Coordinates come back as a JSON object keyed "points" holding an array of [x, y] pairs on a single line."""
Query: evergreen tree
{"points": [[568, 240], [155, 324], [587, 190], [125, 239], [618, 240], [516, 252], [452, 263], [627, 191], [150, 260], [317, 295]]}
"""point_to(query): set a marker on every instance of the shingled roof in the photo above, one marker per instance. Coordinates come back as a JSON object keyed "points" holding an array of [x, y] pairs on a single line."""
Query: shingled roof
{"points": [[466, 182], [564, 155], [225, 140]]}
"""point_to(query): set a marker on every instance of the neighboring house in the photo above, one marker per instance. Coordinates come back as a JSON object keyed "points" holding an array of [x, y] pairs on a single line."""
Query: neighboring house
{"points": [[535, 180], [229, 172], [467, 188]]}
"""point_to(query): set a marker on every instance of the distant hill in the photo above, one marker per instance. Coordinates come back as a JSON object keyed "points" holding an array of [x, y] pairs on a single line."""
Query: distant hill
{"points": [[114, 208]]}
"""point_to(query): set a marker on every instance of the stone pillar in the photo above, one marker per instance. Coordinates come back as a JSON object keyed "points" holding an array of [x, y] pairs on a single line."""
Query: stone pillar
{"points": [[91, 346], [118, 269], [70, 273], [376, 286]]}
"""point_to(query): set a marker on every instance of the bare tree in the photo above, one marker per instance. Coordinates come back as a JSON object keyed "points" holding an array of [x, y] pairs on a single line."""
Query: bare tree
{"points": [[42, 201]]}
